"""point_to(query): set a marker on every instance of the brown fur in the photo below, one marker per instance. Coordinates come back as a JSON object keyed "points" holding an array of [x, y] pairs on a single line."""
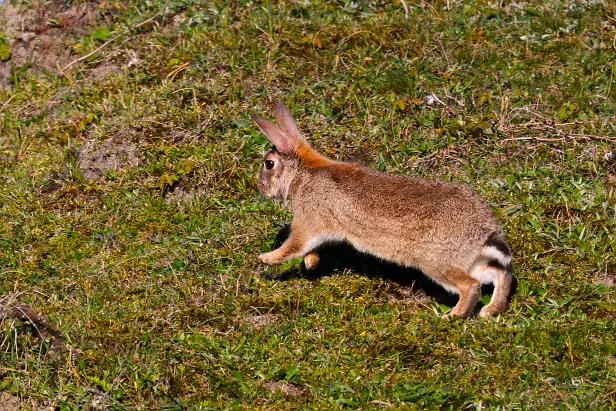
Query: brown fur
{"points": [[309, 157], [443, 229]]}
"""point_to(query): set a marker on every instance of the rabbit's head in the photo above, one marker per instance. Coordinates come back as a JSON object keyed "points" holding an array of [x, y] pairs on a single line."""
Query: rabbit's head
{"points": [[277, 172], [290, 153]]}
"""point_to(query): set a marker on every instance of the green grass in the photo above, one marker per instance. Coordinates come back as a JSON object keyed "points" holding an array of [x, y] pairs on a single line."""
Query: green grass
{"points": [[151, 270]]}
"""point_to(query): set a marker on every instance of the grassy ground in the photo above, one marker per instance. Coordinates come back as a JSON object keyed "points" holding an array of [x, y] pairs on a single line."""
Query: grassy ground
{"points": [[149, 266]]}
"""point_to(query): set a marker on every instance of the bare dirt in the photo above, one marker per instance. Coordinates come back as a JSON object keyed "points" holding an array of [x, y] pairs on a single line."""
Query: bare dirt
{"points": [[95, 158], [39, 34], [9, 402], [261, 320], [290, 389]]}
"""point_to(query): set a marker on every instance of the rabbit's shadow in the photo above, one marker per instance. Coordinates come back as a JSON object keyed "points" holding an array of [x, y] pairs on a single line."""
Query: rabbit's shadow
{"points": [[340, 256]]}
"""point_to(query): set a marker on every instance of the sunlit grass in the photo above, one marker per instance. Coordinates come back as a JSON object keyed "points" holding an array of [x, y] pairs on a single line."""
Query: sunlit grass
{"points": [[150, 269]]}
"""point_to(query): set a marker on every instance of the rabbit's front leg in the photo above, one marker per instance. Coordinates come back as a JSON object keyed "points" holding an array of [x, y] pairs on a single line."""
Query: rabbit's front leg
{"points": [[291, 248]]}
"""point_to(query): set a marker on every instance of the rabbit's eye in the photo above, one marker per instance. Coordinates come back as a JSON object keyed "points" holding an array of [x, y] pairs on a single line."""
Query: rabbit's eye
{"points": [[269, 164]]}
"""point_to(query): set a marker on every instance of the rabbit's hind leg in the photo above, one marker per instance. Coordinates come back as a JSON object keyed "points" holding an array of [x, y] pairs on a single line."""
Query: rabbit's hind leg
{"points": [[460, 282], [492, 271], [311, 260]]}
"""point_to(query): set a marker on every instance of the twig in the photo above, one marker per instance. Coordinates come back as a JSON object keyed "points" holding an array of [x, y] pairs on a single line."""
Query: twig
{"points": [[430, 98], [560, 139], [114, 38], [96, 50], [177, 70], [440, 43], [592, 137], [7, 102], [40, 323], [526, 109], [543, 124], [406, 9]]}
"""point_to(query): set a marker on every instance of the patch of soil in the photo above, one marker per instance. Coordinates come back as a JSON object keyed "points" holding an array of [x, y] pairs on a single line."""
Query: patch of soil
{"points": [[103, 70], [259, 321], [182, 195], [38, 31], [288, 388], [607, 280], [117, 153], [407, 295], [9, 402]]}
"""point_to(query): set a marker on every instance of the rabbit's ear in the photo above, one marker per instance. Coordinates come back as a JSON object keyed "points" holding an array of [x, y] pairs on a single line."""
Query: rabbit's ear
{"points": [[282, 142], [285, 121]]}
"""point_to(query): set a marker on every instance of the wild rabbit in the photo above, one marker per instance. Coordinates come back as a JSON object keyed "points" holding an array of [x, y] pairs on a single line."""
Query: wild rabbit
{"points": [[443, 229]]}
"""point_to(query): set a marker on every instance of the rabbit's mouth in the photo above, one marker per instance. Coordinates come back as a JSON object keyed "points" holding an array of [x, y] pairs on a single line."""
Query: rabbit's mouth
{"points": [[268, 192], [263, 189]]}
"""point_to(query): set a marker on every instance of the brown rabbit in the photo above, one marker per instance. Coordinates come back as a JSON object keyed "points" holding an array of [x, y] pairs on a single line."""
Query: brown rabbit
{"points": [[444, 229]]}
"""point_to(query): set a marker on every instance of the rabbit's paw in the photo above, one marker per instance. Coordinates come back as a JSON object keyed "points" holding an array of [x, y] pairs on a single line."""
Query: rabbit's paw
{"points": [[489, 311], [311, 261], [268, 258]]}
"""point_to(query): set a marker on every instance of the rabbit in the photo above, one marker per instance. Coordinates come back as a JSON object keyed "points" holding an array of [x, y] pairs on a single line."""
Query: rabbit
{"points": [[443, 229]]}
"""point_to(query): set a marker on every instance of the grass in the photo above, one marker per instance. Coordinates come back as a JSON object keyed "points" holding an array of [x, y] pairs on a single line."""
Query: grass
{"points": [[150, 271]]}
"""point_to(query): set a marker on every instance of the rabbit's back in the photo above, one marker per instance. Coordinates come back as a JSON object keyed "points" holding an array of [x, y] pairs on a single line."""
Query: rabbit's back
{"points": [[408, 220]]}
